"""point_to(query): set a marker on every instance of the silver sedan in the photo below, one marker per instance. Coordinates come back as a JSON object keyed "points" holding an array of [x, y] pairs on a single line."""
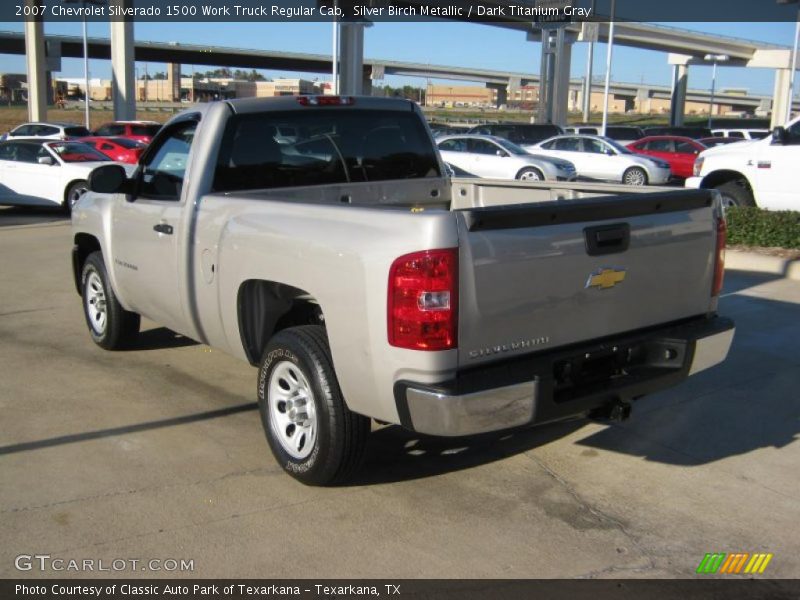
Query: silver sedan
{"points": [[497, 158]]}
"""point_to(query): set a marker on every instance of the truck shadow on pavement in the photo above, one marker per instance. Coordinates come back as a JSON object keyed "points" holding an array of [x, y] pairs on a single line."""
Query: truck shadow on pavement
{"points": [[396, 454], [157, 339], [11, 216], [749, 402]]}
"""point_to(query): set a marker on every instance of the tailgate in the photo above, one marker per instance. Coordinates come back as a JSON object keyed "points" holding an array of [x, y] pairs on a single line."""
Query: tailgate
{"points": [[534, 277]]}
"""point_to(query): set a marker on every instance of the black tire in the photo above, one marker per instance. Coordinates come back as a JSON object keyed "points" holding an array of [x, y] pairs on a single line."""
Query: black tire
{"points": [[340, 435], [736, 193], [530, 174], [73, 193], [634, 176], [119, 327]]}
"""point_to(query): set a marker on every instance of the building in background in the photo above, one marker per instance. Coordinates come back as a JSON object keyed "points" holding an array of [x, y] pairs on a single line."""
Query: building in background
{"points": [[458, 96]]}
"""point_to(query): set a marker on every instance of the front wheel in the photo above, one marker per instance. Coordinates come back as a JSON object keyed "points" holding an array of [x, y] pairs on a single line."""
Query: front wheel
{"points": [[735, 194], [634, 176], [530, 174], [310, 430], [74, 193], [111, 326]]}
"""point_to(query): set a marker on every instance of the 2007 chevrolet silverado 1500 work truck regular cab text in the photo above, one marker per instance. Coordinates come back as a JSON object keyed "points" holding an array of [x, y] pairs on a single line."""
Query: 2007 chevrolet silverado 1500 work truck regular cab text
{"points": [[365, 283]]}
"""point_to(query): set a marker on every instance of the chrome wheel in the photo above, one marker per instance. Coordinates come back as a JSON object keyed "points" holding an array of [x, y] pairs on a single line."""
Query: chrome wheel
{"points": [[728, 201], [530, 175], [293, 414], [634, 177], [95, 299], [75, 193]]}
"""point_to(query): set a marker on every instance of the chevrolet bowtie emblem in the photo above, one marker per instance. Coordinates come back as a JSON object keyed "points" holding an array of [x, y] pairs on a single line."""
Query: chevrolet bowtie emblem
{"points": [[605, 278]]}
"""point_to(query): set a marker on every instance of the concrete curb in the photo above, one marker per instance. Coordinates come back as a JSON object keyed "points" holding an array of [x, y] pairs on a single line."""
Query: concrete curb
{"points": [[774, 265]]}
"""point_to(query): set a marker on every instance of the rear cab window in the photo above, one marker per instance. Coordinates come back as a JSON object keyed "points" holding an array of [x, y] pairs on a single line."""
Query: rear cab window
{"points": [[329, 146]]}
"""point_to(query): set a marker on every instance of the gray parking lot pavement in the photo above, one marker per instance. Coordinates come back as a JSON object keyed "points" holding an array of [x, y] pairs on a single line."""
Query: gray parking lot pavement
{"points": [[157, 453]]}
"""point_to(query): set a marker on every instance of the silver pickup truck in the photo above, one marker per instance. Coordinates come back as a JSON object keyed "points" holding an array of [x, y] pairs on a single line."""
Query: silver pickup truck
{"points": [[320, 239]]}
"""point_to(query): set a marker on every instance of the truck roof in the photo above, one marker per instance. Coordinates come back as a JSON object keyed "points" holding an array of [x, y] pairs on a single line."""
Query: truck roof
{"points": [[282, 103]]}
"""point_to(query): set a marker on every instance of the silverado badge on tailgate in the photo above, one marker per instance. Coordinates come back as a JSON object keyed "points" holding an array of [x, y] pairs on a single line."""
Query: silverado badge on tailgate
{"points": [[605, 278]]}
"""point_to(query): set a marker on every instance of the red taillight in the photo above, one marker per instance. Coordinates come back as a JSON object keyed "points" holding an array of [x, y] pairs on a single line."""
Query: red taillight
{"points": [[719, 257], [326, 100], [423, 300]]}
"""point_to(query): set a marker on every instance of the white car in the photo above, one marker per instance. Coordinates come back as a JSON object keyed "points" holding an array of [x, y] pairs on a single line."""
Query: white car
{"points": [[759, 173], [48, 131], [497, 158], [600, 158], [741, 134], [46, 172]]}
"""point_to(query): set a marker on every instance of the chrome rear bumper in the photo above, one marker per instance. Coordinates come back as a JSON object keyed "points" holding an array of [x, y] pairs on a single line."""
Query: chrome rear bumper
{"points": [[531, 390]]}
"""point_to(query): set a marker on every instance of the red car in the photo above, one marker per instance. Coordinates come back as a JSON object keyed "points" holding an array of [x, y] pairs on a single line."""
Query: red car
{"points": [[141, 131], [679, 152], [119, 149]]}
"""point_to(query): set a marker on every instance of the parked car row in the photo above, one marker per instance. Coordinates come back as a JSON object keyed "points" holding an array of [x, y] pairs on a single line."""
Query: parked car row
{"points": [[46, 172], [42, 164]]}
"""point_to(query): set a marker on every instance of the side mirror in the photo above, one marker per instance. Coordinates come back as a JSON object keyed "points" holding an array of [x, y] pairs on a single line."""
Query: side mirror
{"points": [[108, 179], [501, 154], [610, 152], [779, 135], [46, 160]]}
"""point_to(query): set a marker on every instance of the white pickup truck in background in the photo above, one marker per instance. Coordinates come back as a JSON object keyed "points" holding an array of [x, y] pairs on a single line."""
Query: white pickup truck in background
{"points": [[364, 283], [759, 173]]}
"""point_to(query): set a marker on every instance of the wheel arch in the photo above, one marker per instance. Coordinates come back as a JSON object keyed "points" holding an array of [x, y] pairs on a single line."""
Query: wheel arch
{"points": [[531, 168], [721, 176], [267, 307], [84, 245]]}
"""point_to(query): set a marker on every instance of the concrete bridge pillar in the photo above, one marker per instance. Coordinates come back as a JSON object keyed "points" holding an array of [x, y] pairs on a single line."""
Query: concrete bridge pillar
{"points": [[780, 97], [122, 66], [677, 107], [351, 59], [502, 93], [554, 75], [36, 61]]}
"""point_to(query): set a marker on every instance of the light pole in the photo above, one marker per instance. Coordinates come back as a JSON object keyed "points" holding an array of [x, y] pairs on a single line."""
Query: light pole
{"points": [[86, 91], [715, 58], [609, 50]]}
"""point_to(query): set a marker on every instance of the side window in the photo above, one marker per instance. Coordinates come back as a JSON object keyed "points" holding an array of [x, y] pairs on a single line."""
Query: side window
{"points": [[162, 176], [27, 153], [453, 146], [548, 145], [482, 147], [739, 135], [566, 144], [106, 147], [685, 148], [8, 152], [793, 133], [660, 145], [594, 146], [45, 130], [23, 130]]}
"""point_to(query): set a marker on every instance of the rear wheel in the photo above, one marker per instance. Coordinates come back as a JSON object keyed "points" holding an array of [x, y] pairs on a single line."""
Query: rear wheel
{"points": [[530, 174], [735, 193], [74, 192], [111, 326], [312, 433], [634, 176]]}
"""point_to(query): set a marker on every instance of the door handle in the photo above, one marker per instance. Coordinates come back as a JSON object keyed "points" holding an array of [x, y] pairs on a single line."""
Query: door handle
{"points": [[163, 228]]}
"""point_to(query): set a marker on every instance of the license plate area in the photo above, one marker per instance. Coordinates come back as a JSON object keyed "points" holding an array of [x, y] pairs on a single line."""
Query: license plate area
{"points": [[605, 367]]}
